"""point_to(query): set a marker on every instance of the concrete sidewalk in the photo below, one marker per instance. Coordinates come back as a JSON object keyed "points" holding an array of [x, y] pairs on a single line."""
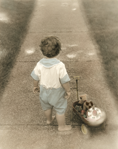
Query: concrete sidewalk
{"points": [[22, 121]]}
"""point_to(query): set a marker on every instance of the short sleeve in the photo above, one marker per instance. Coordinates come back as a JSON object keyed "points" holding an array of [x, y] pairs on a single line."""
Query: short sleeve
{"points": [[63, 75], [36, 73]]}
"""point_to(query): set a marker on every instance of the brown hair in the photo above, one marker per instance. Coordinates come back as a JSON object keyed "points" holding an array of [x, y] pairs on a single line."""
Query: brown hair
{"points": [[50, 46]]}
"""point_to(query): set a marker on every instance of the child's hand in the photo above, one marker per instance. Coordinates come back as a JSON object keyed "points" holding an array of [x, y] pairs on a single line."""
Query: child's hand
{"points": [[67, 96], [36, 89]]}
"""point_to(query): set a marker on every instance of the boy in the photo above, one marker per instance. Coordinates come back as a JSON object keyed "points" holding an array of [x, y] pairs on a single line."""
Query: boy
{"points": [[54, 82]]}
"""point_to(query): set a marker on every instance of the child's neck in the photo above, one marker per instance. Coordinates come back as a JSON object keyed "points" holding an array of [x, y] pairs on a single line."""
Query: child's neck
{"points": [[50, 58]]}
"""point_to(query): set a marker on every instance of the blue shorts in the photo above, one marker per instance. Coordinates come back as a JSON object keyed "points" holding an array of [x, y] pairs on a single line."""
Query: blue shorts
{"points": [[53, 98], [59, 107]]}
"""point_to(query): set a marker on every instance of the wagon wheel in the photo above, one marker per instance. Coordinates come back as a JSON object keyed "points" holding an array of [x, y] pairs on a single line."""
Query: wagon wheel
{"points": [[84, 129]]}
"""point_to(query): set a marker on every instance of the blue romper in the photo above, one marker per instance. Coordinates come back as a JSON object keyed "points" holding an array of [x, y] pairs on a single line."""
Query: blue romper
{"points": [[51, 73]]}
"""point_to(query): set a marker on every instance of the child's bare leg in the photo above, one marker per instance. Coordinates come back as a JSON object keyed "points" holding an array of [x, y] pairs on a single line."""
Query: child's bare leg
{"points": [[61, 123], [49, 116]]}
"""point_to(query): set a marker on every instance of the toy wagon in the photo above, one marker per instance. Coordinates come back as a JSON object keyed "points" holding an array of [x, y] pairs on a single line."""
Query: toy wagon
{"points": [[94, 116]]}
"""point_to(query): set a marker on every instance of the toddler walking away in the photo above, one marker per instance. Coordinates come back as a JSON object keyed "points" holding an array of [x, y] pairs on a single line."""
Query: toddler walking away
{"points": [[54, 82]]}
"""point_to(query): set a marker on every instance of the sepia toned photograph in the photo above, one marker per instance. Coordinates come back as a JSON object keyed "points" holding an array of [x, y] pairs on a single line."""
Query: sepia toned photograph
{"points": [[58, 74]]}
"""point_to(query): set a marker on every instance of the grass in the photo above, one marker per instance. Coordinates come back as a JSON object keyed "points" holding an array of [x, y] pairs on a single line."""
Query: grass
{"points": [[102, 17], [12, 34]]}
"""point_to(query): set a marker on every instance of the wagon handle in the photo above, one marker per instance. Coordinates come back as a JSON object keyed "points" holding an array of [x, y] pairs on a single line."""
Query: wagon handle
{"points": [[77, 78]]}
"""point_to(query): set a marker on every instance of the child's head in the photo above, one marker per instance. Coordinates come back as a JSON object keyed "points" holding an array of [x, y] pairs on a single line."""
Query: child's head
{"points": [[50, 46]]}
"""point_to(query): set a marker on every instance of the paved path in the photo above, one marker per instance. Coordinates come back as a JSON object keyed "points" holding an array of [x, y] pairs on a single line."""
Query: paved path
{"points": [[23, 124]]}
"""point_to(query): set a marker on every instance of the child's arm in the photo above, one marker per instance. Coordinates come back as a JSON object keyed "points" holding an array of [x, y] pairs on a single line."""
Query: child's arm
{"points": [[36, 86], [66, 86]]}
